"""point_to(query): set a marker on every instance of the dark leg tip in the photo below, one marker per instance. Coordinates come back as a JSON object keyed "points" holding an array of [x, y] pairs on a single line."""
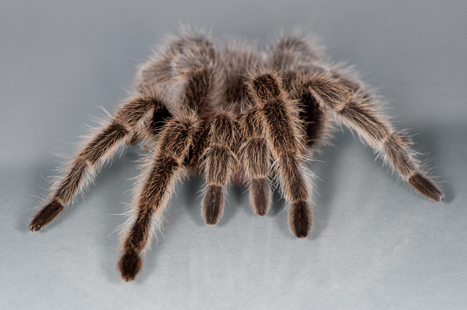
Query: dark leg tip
{"points": [[213, 204], [301, 219], [45, 216], [261, 196], [260, 211], [426, 187], [211, 221], [34, 227], [130, 264], [301, 234]]}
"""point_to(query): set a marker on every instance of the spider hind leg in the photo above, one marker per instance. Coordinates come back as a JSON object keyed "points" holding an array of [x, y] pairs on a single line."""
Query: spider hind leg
{"points": [[358, 110]]}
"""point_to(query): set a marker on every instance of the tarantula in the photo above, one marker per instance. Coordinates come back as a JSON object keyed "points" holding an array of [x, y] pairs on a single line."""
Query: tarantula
{"points": [[234, 113]]}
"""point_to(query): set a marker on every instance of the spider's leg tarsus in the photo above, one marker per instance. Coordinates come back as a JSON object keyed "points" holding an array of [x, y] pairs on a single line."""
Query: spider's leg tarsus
{"points": [[426, 186], [260, 195], [301, 219], [129, 264], [213, 204], [45, 216], [300, 216]]}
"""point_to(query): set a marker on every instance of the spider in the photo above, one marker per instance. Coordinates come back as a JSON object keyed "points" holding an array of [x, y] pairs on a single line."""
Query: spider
{"points": [[236, 114]]}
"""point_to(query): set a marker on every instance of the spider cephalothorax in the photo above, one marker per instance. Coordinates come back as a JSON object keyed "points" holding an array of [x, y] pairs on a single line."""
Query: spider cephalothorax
{"points": [[235, 114]]}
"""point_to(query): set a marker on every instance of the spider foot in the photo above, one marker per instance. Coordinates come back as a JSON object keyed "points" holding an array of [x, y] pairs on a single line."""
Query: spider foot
{"points": [[129, 265], [301, 219], [213, 204], [45, 216], [260, 196], [427, 187]]}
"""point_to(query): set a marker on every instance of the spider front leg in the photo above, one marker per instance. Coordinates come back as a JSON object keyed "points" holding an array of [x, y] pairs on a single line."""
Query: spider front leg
{"points": [[218, 162], [167, 167], [256, 159], [357, 109], [285, 139], [95, 152], [177, 138]]}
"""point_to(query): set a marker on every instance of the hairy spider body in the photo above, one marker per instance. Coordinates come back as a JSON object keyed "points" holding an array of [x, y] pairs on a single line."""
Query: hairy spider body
{"points": [[235, 114]]}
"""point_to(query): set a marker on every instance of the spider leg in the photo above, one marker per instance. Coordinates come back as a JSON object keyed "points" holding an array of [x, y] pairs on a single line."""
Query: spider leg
{"points": [[218, 162], [286, 141], [167, 167], [256, 159], [181, 143], [357, 109], [95, 152]]}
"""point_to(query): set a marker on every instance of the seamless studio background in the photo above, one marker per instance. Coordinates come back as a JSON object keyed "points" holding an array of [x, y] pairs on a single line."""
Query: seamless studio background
{"points": [[376, 244]]}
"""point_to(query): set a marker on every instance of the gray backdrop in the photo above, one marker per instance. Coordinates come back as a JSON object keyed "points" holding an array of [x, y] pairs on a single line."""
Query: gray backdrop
{"points": [[376, 244]]}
